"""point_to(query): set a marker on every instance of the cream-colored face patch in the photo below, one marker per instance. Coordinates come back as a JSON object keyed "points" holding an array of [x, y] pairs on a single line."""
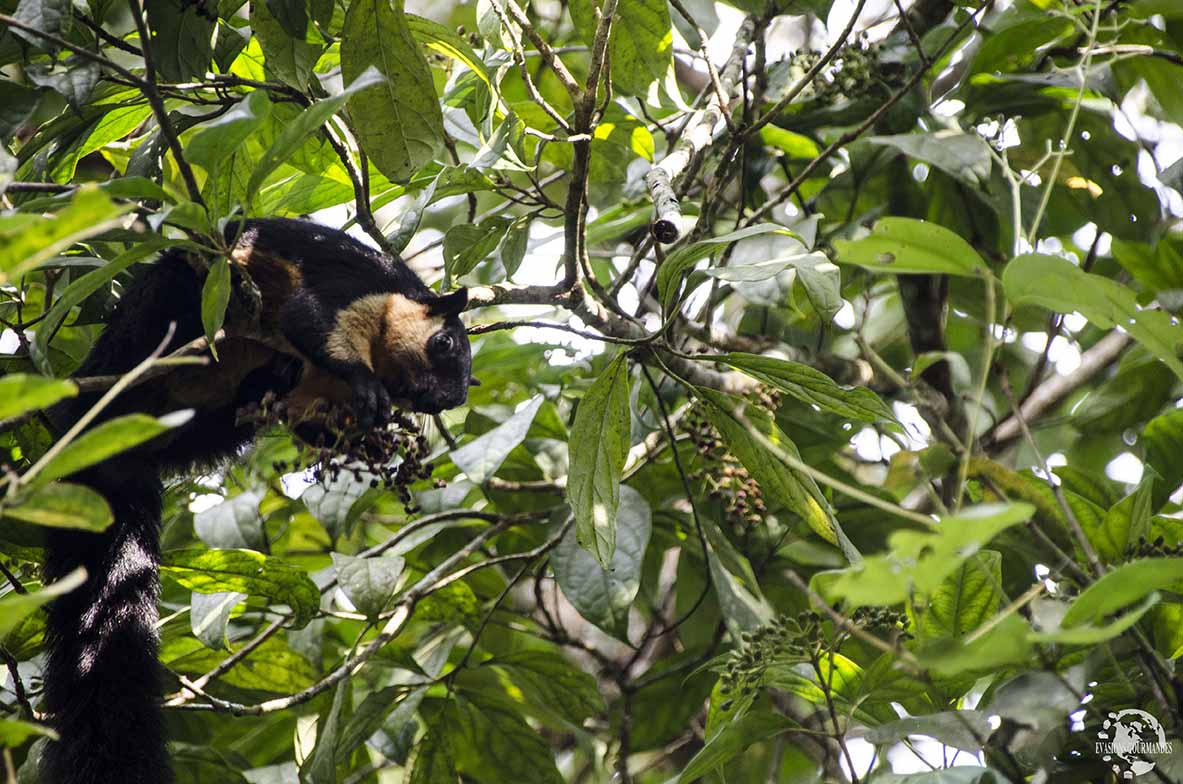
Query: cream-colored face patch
{"points": [[353, 334], [407, 328]]}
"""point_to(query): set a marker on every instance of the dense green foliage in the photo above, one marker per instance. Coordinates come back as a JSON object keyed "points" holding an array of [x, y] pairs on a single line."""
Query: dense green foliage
{"points": [[885, 426]]}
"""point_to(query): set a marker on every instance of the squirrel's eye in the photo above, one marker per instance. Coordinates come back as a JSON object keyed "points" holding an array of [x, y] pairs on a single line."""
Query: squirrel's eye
{"points": [[444, 343]]}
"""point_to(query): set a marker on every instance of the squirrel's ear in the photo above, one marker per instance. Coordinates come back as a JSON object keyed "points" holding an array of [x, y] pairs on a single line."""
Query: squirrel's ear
{"points": [[452, 304], [474, 381]]}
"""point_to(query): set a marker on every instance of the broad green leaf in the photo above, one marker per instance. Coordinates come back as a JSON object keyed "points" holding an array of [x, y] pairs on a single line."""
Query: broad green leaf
{"points": [[906, 245], [433, 762], [641, 47], [14, 732], [604, 595], [1057, 284], [181, 39], [490, 743], [919, 561], [321, 767], [1162, 440], [110, 127], [812, 387], [448, 42], [215, 296], [272, 667], [62, 505], [967, 598], [465, 245], [398, 123], [50, 16], [965, 156], [338, 502], [732, 740], [1125, 523], [368, 582], [1005, 643], [1089, 634], [22, 392], [1123, 586], [292, 16], [551, 681], [244, 571], [289, 58], [209, 615], [597, 450], [371, 715], [221, 137], [958, 729], [109, 438], [291, 138], [797, 492], [744, 608], [17, 102], [15, 607], [677, 266], [89, 212], [234, 523], [480, 458]]}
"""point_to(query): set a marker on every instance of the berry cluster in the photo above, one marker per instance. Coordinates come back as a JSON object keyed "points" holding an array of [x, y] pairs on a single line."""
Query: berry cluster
{"points": [[726, 480], [854, 72], [393, 455], [882, 622], [777, 642], [1155, 549]]}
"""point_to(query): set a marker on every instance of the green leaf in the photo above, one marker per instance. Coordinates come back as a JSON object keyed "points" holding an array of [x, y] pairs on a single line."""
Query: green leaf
{"points": [[641, 47], [965, 156], [490, 743], [906, 245], [480, 458], [1123, 586], [812, 387], [398, 123], [289, 58], [89, 212], [50, 16], [108, 439], [433, 762], [338, 502], [604, 595], [958, 729], [1090, 634], [448, 42], [21, 392], [1005, 643], [182, 36], [62, 505], [15, 607], [215, 297], [553, 682], [797, 492], [209, 615], [1125, 523], [465, 245], [921, 560], [293, 134], [1162, 440], [14, 732], [321, 767], [17, 103], [1058, 284], [110, 127], [244, 571], [272, 667], [368, 582], [292, 15], [744, 608], [371, 715], [733, 739], [219, 138], [597, 449], [676, 267], [966, 599], [233, 523]]}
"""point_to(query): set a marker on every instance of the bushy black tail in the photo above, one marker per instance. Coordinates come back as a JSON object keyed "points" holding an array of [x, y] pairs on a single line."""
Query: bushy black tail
{"points": [[103, 681]]}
